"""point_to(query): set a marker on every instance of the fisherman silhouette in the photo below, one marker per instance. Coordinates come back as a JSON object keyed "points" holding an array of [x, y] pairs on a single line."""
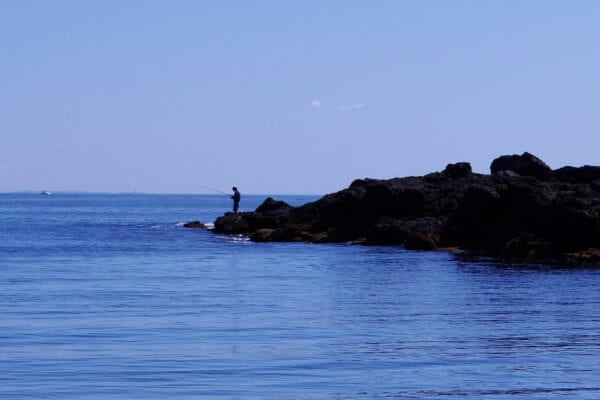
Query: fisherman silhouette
{"points": [[236, 200]]}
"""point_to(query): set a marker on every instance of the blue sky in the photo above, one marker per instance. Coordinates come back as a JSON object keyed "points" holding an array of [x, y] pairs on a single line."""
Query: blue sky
{"points": [[289, 96]]}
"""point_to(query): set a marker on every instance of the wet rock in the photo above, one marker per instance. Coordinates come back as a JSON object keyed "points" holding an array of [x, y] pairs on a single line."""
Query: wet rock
{"points": [[587, 255], [195, 224], [231, 224], [527, 247], [424, 234], [263, 235], [293, 233]]}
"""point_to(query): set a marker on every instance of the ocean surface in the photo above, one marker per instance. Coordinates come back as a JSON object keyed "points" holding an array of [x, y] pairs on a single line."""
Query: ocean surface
{"points": [[106, 296]]}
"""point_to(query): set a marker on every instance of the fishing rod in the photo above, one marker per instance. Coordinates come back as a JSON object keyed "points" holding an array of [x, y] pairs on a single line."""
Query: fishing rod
{"points": [[214, 190]]}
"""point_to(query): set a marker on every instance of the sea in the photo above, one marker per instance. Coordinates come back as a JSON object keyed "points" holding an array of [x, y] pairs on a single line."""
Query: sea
{"points": [[108, 296]]}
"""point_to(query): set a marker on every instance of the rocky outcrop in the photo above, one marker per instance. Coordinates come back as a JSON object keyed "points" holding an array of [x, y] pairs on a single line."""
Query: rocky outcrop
{"points": [[525, 165], [522, 210]]}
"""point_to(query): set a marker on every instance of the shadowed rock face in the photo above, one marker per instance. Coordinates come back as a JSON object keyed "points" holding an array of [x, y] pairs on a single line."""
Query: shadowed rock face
{"points": [[525, 165], [523, 210]]}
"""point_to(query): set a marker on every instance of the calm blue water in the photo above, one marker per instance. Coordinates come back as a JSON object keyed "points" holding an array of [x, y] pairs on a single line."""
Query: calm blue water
{"points": [[108, 297]]}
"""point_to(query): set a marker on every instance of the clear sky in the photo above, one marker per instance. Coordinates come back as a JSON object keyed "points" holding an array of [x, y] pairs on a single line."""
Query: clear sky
{"points": [[289, 96]]}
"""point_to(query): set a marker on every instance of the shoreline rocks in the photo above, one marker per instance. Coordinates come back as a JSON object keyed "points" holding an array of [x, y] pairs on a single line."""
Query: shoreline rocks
{"points": [[195, 225], [523, 210]]}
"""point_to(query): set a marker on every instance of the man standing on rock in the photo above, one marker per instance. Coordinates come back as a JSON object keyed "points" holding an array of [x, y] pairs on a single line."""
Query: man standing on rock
{"points": [[236, 200]]}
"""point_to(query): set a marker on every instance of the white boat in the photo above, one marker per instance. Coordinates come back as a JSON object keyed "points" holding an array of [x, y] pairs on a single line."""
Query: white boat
{"points": [[46, 193]]}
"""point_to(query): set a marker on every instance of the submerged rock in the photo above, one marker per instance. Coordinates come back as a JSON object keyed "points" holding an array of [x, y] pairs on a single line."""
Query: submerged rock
{"points": [[195, 224], [523, 210]]}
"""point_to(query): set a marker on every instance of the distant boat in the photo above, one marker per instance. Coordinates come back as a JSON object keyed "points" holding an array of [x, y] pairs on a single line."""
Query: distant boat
{"points": [[46, 193]]}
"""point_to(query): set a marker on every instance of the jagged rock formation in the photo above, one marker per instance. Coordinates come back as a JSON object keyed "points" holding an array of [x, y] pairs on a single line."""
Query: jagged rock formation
{"points": [[523, 210]]}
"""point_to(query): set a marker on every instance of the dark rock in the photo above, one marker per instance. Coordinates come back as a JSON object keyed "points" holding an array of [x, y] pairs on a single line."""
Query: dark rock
{"points": [[258, 221], [458, 170], [292, 233], [523, 211], [195, 224], [570, 228], [419, 234], [271, 205], [263, 235], [526, 165], [386, 231], [474, 223], [507, 174], [362, 182], [527, 247], [425, 241], [585, 174], [587, 255], [230, 224]]}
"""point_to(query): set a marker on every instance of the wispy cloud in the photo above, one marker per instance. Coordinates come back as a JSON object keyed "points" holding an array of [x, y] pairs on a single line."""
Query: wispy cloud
{"points": [[342, 107]]}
